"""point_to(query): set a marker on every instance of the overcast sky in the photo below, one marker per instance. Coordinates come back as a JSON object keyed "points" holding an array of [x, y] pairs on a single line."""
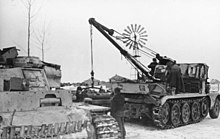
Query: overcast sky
{"points": [[185, 30]]}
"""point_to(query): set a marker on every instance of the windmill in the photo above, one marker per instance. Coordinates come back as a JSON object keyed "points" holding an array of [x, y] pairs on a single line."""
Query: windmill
{"points": [[135, 37]]}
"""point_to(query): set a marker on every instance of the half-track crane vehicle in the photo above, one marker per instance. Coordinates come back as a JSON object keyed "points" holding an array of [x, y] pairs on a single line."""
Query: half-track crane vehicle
{"points": [[33, 106], [153, 99]]}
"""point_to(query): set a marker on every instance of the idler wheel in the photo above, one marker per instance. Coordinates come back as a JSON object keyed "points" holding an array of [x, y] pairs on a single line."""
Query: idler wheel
{"points": [[214, 112], [195, 111], [185, 113], [175, 114], [204, 107]]}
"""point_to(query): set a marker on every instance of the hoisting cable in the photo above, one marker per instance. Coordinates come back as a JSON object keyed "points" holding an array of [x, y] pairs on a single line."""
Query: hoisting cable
{"points": [[146, 53], [152, 51], [92, 72]]}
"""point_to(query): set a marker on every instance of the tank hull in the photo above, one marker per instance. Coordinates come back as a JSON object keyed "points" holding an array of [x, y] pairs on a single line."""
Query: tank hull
{"points": [[31, 119], [45, 122]]}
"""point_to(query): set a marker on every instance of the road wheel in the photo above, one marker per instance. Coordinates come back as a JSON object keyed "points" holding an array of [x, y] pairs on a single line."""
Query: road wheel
{"points": [[214, 112], [185, 113], [165, 113], [204, 107], [175, 114], [195, 111]]}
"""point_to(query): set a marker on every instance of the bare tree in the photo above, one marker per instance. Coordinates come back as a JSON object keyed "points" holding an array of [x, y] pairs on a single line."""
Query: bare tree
{"points": [[32, 12], [40, 37]]}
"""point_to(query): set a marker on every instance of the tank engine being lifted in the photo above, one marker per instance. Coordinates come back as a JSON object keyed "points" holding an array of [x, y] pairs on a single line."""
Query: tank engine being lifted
{"points": [[153, 99]]}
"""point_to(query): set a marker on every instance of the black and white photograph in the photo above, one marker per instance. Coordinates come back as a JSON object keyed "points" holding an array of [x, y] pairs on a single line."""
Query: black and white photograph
{"points": [[109, 69]]}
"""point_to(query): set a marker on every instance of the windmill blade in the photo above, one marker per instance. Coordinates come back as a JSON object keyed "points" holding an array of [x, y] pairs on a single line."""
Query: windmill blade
{"points": [[132, 27], [141, 30], [142, 42], [129, 29], [141, 45], [118, 37], [126, 31], [131, 45], [125, 38], [125, 35], [135, 27], [143, 39], [141, 36], [128, 43], [139, 26]]}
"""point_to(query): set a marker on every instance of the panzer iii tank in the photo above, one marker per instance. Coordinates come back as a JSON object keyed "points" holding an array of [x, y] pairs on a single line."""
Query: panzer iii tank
{"points": [[32, 106], [149, 96]]}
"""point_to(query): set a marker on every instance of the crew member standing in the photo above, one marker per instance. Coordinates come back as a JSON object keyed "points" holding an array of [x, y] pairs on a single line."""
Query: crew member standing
{"points": [[117, 110], [152, 66], [174, 77], [78, 94], [163, 60]]}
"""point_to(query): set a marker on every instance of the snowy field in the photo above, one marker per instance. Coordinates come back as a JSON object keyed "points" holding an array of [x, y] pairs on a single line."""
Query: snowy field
{"points": [[206, 129]]}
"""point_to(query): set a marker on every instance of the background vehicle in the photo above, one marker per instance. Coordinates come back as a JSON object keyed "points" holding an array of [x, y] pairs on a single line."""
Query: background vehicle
{"points": [[31, 108], [151, 98], [97, 95]]}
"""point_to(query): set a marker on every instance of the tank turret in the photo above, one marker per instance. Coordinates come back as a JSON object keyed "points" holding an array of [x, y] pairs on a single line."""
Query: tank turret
{"points": [[27, 73]]}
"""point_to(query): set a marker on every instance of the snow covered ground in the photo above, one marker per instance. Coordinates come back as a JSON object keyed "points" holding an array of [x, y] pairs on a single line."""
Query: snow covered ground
{"points": [[206, 129]]}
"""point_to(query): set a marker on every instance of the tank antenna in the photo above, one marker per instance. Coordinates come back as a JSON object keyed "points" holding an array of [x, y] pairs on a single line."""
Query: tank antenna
{"points": [[92, 72]]}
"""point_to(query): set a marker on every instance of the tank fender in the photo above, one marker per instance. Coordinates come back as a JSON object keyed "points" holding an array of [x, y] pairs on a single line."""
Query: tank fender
{"points": [[180, 96], [165, 98], [213, 97]]}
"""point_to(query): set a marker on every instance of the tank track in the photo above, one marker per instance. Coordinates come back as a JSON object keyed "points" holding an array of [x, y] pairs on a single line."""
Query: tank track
{"points": [[158, 118], [106, 127]]}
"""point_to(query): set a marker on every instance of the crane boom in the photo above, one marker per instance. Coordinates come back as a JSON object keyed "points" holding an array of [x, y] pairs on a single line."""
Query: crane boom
{"points": [[108, 33]]}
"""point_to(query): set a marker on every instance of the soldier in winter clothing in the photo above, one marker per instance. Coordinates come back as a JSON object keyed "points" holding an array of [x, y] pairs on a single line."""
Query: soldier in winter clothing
{"points": [[174, 77], [117, 110], [152, 66]]}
